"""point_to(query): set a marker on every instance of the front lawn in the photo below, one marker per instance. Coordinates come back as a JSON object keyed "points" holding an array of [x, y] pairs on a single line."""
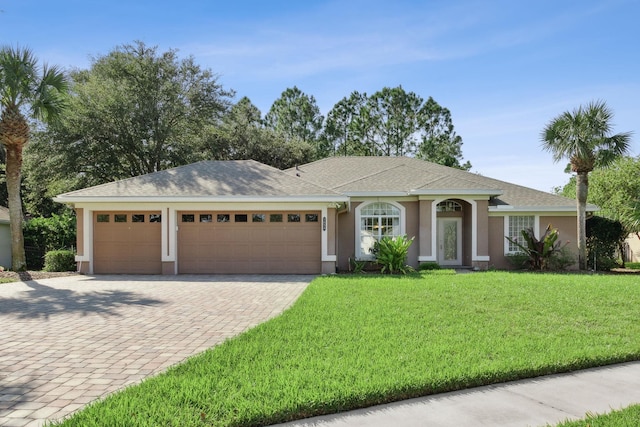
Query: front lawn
{"points": [[356, 341], [626, 417]]}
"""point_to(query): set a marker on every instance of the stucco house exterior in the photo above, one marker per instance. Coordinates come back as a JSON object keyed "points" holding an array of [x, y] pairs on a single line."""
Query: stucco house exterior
{"points": [[246, 217], [5, 238]]}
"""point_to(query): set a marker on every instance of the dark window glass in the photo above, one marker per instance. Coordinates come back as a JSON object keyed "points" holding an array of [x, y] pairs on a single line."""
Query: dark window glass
{"points": [[275, 218], [224, 217], [258, 218], [188, 218], [293, 217], [137, 218], [240, 218], [311, 217], [120, 218], [102, 218], [155, 218], [206, 218]]}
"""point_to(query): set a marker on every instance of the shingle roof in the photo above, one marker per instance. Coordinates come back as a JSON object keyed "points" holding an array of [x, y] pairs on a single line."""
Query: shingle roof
{"points": [[350, 175], [233, 178]]}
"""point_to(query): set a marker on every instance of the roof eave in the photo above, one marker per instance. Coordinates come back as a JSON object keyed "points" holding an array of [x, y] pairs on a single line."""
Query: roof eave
{"points": [[509, 208], [462, 192], [205, 199]]}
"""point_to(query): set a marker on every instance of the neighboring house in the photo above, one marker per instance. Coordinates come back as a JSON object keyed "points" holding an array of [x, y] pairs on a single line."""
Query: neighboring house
{"points": [[5, 238], [632, 244], [247, 217]]}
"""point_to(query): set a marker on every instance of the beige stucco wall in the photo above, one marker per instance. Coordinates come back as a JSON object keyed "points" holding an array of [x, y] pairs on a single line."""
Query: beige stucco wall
{"points": [[496, 243], [347, 236], [483, 227], [566, 226], [425, 228], [331, 231], [412, 229]]}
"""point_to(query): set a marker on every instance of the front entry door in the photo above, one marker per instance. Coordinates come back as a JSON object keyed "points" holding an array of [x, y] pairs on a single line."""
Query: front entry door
{"points": [[450, 241]]}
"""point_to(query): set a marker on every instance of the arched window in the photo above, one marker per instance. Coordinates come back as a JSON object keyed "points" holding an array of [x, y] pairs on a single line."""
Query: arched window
{"points": [[377, 220], [449, 206]]}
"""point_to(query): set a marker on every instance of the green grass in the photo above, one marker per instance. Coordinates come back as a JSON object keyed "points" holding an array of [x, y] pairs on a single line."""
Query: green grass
{"points": [[356, 341], [627, 417], [633, 265]]}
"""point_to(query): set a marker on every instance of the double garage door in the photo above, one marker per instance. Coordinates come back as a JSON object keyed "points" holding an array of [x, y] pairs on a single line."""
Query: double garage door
{"points": [[210, 242], [249, 242]]}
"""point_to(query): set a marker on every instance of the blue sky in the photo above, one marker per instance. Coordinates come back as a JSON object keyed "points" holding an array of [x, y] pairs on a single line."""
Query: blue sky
{"points": [[503, 68]]}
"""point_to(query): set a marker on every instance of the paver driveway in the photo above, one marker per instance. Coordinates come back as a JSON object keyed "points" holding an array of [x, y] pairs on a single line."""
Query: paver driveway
{"points": [[67, 341]]}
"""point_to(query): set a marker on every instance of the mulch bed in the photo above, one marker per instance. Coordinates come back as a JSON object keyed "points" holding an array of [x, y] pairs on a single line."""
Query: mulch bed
{"points": [[25, 276]]}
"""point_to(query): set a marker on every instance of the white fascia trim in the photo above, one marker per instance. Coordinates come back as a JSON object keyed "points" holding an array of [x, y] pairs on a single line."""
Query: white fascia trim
{"points": [[370, 194], [481, 258], [205, 199], [427, 258], [453, 193], [508, 209]]}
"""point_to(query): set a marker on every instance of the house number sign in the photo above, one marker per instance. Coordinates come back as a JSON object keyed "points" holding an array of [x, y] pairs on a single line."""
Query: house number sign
{"points": [[324, 223]]}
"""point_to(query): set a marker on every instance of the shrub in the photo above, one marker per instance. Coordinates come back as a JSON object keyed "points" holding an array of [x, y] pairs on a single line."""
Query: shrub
{"points": [[518, 260], [425, 266], [391, 254], [562, 259], [604, 236], [47, 234], [539, 251], [60, 260]]}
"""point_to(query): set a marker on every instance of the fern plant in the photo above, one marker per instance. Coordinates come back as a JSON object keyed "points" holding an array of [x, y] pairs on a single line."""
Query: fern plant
{"points": [[391, 254]]}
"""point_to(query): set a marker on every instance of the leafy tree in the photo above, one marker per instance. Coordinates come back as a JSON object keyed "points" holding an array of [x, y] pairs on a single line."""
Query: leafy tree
{"points": [[241, 135], [135, 111], [25, 87], [439, 141], [393, 122], [395, 114], [296, 116], [584, 136], [343, 130]]}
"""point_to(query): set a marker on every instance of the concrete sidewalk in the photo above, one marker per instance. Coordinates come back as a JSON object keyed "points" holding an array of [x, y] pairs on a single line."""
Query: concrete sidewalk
{"points": [[533, 402]]}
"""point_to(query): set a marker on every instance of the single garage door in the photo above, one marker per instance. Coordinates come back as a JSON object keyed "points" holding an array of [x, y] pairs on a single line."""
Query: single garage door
{"points": [[127, 243], [249, 242]]}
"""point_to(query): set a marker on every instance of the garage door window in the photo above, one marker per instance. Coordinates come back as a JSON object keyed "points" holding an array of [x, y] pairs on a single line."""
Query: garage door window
{"points": [[137, 218], [120, 218], [240, 218], [155, 218], [188, 218], [224, 218], [102, 218], [311, 217], [258, 218], [293, 217], [206, 218], [275, 218]]}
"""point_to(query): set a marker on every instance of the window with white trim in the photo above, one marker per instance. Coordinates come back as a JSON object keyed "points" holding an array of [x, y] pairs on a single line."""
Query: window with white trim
{"points": [[516, 225], [377, 220]]}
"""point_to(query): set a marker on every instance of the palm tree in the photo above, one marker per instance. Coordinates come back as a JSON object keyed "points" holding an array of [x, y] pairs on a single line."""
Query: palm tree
{"points": [[584, 137], [25, 88]]}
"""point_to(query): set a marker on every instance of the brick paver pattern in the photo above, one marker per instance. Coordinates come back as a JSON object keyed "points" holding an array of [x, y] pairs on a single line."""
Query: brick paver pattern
{"points": [[67, 341]]}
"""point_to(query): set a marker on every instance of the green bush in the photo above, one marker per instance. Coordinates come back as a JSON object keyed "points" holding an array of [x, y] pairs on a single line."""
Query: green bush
{"points": [[519, 260], [633, 265], [562, 259], [46, 234], [604, 237], [425, 266], [60, 260], [540, 251], [391, 254]]}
